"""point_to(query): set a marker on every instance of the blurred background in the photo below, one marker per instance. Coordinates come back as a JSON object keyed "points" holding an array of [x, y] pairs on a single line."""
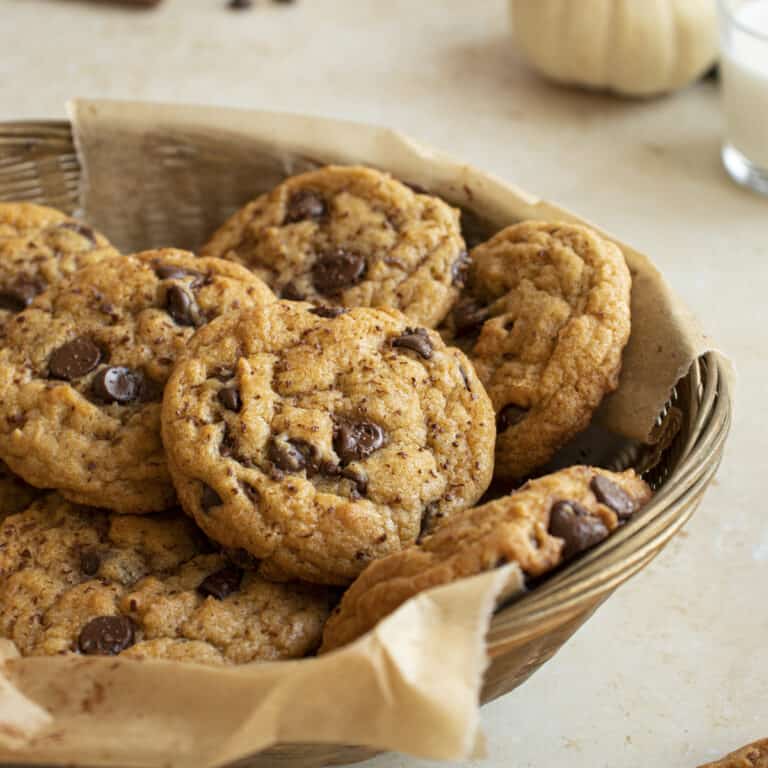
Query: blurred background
{"points": [[667, 672]]}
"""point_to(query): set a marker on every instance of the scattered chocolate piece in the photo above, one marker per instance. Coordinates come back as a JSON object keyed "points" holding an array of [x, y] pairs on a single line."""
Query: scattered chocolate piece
{"points": [[459, 269], [74, 359], [572, 523], [613, 496], [468, 315], [337, 270], [19, 296], [416, 339], [354, 441], [117, 384], [304, 205], [106, 636], [510, 415], [329, 312], [181, 306], [90, 561], [210, 499], [229, 397], [221, 584]]}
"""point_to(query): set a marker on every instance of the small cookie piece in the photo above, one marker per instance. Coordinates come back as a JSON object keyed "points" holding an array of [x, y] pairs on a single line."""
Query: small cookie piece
{"points": [[319, 441], [550, 303], [352, 237], [754, 755], [38, 247], [15, 494], [77, 580], [547, 521], [82, 372]]}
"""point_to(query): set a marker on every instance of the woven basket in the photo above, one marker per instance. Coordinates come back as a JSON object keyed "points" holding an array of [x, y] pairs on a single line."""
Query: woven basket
{"points": [[38, 163]]}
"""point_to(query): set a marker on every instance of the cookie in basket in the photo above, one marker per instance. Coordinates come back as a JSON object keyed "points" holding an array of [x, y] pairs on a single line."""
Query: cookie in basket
{"points": [[39, 246], [354, 237], [318, 439], [77, 580], [15, 494], [83, 368], [544, 523], [544, 318]]}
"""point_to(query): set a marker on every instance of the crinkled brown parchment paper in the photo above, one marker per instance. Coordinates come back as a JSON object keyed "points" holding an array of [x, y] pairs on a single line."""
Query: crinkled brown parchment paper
{"points": [[161, 175]]}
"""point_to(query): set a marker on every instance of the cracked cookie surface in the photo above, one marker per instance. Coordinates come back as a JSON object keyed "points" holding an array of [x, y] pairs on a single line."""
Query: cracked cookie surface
{"points": [[77, 580], [350, 236], [318, 440], [544, 317], [544, 523], [38, 247], [82, 371]]}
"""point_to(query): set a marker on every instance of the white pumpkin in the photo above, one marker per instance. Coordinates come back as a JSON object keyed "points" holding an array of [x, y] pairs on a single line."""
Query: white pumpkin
{"points": [[635, 47]]}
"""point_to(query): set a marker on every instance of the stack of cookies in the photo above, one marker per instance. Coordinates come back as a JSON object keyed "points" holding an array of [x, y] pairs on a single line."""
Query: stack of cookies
{"points": [[200, 453]]}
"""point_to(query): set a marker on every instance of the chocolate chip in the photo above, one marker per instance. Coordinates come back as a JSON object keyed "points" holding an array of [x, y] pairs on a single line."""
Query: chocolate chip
{"points": [[337, 270], [292, 292], [221, 584], [209, 499], [90, 561], [229, 397], [74, 359], [290, 455], [510, 415], [572, 523], [613, 496], [468, 315], [354, 441], [303, 205], [359, 478], [459, 269], [181, 306], [81, 230], [19, 296], [175, 272], [416, 339], [117, 385], [106, 636], [329, 312]]}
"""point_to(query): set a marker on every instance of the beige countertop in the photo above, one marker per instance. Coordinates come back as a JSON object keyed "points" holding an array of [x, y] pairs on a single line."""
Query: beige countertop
{"points": [[673, 670]]}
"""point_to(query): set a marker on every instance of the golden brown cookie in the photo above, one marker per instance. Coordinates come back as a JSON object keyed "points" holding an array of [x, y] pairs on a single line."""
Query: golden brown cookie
{"points": [[544, 318], [318, 439], [83, 368], [77, 580], [38, 247], [547, 521], [754, 755], [353, 237]]}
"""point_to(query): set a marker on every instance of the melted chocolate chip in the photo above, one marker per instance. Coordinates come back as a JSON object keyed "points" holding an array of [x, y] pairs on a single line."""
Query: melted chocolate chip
{"points": [[292, 292], [304, 205], [221, 584], [19, 296], [416, 339], [613, 496], [337, 270], [229, 397], [459, 269], [74, 359], [354, 441], [106, 636], [468, 315], [510, 415], [329, 312], [80, 229], [209, 499], [290, 455], [117, 385], [175, 272], [572, 523], [181, 306], [90, 561]]}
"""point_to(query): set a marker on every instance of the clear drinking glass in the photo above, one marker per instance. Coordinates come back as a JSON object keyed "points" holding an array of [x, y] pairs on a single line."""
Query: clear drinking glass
{"points": [[744, 76]]}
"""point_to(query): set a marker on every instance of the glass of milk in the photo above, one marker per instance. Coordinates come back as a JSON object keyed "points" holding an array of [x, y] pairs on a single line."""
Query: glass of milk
{"points": [[744, 74]]}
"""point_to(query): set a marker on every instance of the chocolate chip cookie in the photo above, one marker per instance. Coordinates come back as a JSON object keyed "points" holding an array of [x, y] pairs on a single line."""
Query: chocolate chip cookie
{"points": [[77, 580], [15, 494], [39, 246], [318, 438], [353, 237], [83, 368], [754, 755], [544, 523], [544, 318]]}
